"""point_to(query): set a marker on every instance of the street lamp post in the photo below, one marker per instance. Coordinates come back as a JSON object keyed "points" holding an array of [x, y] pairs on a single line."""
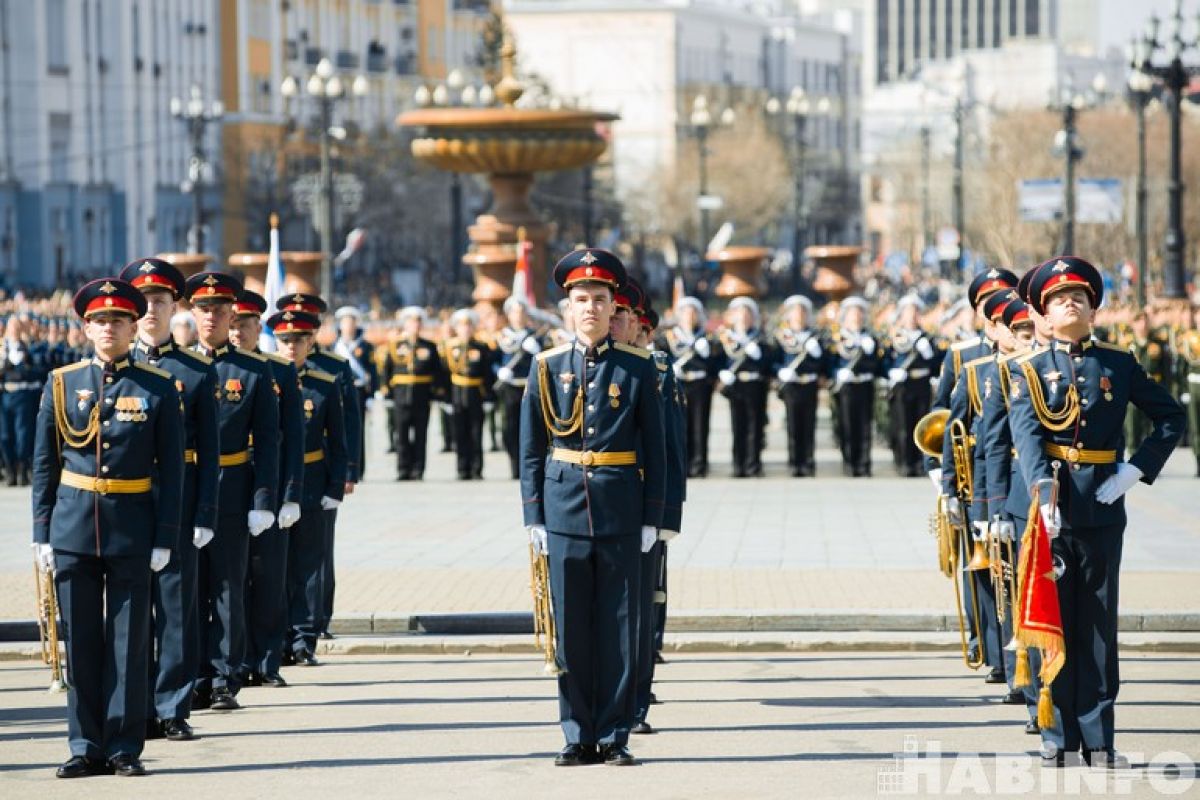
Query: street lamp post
{"points": [[702, 123], [325, 87], [1175, 77], [960, 135], [799, 107], [196, 117], [1066, 143], [1142, 90]]}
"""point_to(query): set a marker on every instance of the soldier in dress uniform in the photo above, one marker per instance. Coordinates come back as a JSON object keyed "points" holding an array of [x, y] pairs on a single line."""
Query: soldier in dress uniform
{"points": [[266, 571], [1068, 403], [175, 654], [1187, 350], [414, 374], [516, 345], [690, 349], [799, 367], [468, 362], [908, 362], [23, 374], [360, 357], [1151, 351], [593, 473], [109, 432], [327, 360], [325, 454], [745, 372], [248, 408], [854, 360]]}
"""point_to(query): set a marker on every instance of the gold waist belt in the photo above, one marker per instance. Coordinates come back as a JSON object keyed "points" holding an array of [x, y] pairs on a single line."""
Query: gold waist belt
{"points": [[189, 456], [616, 458], [410, 380], [463, 380], [314, 456], [1077, 455], [235, 459], [105, 485]]}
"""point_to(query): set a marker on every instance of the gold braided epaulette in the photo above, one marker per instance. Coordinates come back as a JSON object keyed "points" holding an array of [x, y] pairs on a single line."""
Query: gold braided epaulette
{"points": [[629, 348], [553, 351]]}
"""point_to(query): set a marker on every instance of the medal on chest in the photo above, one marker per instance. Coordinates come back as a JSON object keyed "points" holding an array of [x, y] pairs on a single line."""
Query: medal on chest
{"points": [[614, 395], [1106, 387], [131, 409], [83, 398], [233, 389], [308, 408]]}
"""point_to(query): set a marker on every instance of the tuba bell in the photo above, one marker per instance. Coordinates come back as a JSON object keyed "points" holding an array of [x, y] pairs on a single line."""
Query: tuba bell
{"points": [[930, 431]]}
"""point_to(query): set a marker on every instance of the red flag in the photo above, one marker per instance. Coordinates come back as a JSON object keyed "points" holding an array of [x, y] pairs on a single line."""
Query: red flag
{"points": [[522, 277], [1039, 617], [677, 290]]}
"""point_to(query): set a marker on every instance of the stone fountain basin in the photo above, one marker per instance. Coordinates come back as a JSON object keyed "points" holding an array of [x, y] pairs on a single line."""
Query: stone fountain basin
{"points": [[506, 140]]}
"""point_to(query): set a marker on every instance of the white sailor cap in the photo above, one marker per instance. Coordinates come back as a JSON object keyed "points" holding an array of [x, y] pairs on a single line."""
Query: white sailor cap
{"points": [[693, 302], [910, 300], [409, 312], [464, 315], [745, 302], [347, 311], [512, 301], [797, 300], [854, 301]]}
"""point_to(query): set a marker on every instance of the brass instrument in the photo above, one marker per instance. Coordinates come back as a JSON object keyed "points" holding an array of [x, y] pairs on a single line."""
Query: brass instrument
{"points": [[929, 432], [1002, 555], [545, 634], [47, 619], [960, 446]]}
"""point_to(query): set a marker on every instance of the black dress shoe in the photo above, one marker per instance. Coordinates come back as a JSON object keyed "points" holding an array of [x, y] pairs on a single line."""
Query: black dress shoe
{"points": [[305, 659], [1031, 728], [574, 755], [643, 728], [658, 658], [201, 700], [654, 701], [326, 635], [995, 676], [1015, 697], [288, 659], [251, 679], [177, 730], [274, 680], [1106, 758], [223, 700], [617, 755], [153, 729], [82, 767], [126, 766]]}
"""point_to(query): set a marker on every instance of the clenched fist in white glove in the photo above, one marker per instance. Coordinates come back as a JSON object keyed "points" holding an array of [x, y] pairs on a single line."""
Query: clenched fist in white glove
{"points": [[1004, 530], [844, 375], [935, 475], [159, 558], [701, 347], [954, 510], [539, 539], [531, 346], [727, 377], [1118, 484], [504, 374], [259, 521], [201, 537], [754, 351], [488, 406], [1051, 519], [787, 375], [649, 537], [44, 555], [897, 375], [289, 515], [329, 504]]}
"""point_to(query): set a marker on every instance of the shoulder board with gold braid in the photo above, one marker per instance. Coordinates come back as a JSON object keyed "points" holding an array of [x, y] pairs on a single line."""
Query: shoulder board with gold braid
{"points": [[251, 354], [162, 373], [71, 367], [971, 369], [330, 353], [320, 375], [553, 351], [628, 348], [1024, 357], [1005, 375], [203, 359], [1109, 346], [276, 358], [956, 353], [965, 343]]}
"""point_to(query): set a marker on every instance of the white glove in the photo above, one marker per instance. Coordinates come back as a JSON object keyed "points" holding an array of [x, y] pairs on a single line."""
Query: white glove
{"points": [[1004, 529], [1119, 483], [447, 407], [665, 535], [701, 347], [981, 529], [159, 558], [539, 539], [924, 348], [678, 367], [44, 555], [727, 377], [844, 375], [1185, 398], [787, 375], [897, 375], [329, 504], [488, 407], [649, 537], [531, 346], [202, 536], [868, 345], [504, 374], [754, 351], [935, 475], [289, 515], [813, 347], [1051, 519], [954, 510], [259, 521]]}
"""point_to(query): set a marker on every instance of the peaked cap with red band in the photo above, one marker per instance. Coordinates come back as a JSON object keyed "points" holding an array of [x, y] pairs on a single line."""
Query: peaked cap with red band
{"points": [[988, 282], [1066, 272], [149, 274], [1015, 313], [299, 301], [994, 306], [293, 322], [249, 304], [109, 295], [212, 286], [590, 265]]}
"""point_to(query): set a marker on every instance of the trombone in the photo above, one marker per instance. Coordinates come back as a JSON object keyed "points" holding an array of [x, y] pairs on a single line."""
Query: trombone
{"points": [[545, 633], [48, 630]]}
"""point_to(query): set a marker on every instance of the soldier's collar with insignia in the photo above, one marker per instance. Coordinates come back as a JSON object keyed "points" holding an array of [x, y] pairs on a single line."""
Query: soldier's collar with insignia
{"points": [[1073, 347], [597, 350], [215, 352], [155, 350], [111, 366]]}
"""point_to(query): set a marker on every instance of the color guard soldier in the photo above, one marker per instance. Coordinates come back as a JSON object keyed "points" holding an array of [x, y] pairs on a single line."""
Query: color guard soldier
{"points": [[799, 367], [909, 360], [745, 372], [324, 481], [469, 365], [414, 374], [266, 571], [1068, 403], [109, 432], [854, 360], [690, 349], [248, 408], [516, 346], [360, 357], [175, 656], [593, 471]]}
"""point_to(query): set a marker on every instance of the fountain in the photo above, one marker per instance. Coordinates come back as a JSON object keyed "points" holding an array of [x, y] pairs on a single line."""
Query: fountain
{"points": [[509, 145]]}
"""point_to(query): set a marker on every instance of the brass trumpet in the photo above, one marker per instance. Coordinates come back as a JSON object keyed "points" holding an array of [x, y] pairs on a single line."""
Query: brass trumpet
{"points": [[47, 618], [545, 634]]}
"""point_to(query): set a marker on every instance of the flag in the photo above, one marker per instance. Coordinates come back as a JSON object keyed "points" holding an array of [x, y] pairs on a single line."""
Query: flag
{"points": [[677, 289], [275, 281], [354, 243], [522, 287], [1038, 620]]}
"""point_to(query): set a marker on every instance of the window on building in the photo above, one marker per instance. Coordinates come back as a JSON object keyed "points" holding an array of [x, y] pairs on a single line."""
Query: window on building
{"points": [[948, 11], [60, 147], [881, 41], [56, 35], [1032, 21], [981, 23], [1012, 17], [901, 44], [964, 24], [916, 33]]}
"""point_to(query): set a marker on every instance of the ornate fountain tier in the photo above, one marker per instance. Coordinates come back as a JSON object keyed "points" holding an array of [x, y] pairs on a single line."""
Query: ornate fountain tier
{"points": [[741, 271], [509, 145], [302, 270], [835, 269]]}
